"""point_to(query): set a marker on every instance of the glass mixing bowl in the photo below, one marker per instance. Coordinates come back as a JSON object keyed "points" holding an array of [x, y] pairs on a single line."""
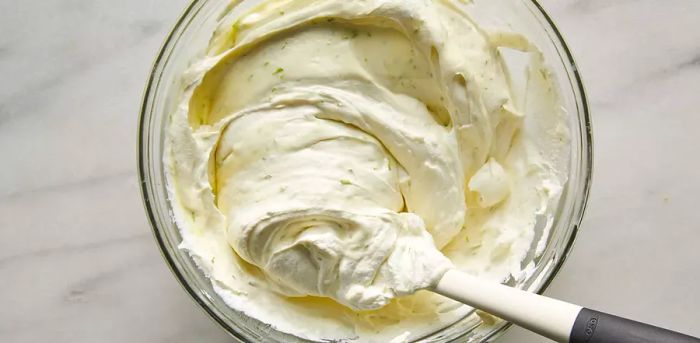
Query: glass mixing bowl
{"points": [[188, 40]]}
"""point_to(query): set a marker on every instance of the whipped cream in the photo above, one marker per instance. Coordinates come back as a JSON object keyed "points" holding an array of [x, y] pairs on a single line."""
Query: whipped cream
{"points": [[329, 159]]}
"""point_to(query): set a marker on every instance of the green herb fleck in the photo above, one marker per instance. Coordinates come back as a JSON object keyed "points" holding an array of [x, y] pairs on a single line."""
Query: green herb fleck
{"points": [[369, 34], [345, 182], [281, 12], [330, 20], [267, 177], [266, 64], [277, 71]]}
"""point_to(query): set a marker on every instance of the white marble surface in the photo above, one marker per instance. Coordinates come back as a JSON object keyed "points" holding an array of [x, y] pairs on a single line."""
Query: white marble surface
{"points": [[77, 261]]}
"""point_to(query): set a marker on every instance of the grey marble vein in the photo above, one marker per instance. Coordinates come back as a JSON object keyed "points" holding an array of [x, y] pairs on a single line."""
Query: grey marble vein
{"points": [[70, 249], [692, 62], [68, 185], [77, 261]]}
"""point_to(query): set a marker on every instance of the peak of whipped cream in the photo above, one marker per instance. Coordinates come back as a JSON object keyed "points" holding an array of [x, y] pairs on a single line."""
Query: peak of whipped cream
{"points": [[316, 204]]}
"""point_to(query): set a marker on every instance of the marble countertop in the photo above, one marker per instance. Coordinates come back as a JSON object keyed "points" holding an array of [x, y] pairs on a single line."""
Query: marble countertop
{"points": [[77, 259]]}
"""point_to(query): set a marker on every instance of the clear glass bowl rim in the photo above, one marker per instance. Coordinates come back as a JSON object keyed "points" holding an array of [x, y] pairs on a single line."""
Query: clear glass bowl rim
{"points": [[585, 167]]}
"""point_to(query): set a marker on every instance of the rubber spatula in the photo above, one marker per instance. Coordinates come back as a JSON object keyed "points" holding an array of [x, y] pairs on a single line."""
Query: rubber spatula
{"points": [[551, 318]]}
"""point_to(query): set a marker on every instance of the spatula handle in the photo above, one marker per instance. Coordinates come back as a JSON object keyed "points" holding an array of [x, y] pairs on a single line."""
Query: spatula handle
{"points": [[554, 319]]}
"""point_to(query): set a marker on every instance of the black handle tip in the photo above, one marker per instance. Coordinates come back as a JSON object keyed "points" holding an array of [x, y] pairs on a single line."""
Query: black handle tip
{"points": [[599, 327]]}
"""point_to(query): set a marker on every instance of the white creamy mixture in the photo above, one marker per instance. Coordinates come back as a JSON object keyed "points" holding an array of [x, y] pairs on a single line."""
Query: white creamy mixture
{"points": [[330, 158]]}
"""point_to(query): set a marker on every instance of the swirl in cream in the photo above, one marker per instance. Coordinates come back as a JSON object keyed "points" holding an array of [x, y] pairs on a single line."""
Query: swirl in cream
{"points": [[353, 150]]}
